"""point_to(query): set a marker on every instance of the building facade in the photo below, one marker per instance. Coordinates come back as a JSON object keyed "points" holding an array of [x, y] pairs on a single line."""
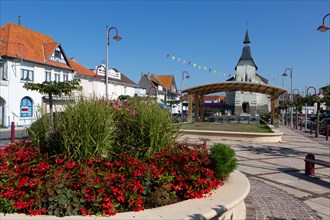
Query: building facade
{"points": [[162, 87], [29, 56]]}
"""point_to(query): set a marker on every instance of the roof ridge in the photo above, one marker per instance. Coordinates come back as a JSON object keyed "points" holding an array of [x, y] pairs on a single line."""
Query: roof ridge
{"points": [[20, 26]]}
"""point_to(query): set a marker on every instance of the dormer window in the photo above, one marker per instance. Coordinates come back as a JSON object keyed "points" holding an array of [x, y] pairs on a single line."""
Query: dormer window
{"points": [[57, 54]]}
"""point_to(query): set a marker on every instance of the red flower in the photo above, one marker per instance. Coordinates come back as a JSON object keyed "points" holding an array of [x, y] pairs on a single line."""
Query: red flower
{"points": [[70, 165]]}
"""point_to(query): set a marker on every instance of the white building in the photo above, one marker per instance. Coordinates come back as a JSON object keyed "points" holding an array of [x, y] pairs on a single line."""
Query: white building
{"points": [[93, 83], [29, 56], [247, 102]]}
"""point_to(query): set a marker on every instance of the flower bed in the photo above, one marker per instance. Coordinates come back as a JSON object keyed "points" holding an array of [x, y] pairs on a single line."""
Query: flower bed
{"points": [[34, 183]]}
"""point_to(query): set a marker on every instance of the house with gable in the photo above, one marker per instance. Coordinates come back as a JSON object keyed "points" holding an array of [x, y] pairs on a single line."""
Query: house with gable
{"points": [[162, 87], [118, 84], [247, 102], [27, 56]]}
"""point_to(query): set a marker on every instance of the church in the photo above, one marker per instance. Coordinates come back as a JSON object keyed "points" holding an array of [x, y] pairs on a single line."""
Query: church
{"points": [[246, 71]]}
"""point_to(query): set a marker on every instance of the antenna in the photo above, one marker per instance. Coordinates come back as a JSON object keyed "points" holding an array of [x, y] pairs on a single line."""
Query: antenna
{"points": [[247, 25]]}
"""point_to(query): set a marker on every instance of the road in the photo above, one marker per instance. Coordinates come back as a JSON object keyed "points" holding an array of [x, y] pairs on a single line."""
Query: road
{"points": [[5, 135]]}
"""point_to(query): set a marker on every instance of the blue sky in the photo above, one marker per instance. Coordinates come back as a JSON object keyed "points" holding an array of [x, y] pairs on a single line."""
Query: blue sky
{"points": [[208, 33]]}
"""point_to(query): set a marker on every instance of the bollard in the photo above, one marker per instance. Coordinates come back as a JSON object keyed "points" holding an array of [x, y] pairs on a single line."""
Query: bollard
{"points": [[12, 132], [300, 125], [326, 132], [309, 167], [204, 144], [311, 128]]}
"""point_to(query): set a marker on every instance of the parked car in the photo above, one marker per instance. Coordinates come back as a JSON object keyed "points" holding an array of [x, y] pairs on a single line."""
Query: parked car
{"points": [[178, 117], [323, 123]]}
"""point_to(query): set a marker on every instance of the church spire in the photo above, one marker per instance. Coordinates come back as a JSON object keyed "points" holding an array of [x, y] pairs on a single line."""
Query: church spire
{"points": [[246, 52], [246, 39]]}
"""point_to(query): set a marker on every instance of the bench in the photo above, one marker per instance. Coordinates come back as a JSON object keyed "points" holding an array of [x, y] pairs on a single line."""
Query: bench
{"points": [[310, 162]]}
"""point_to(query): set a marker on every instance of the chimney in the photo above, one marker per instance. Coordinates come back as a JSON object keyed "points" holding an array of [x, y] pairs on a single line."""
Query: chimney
{"points": [[19, 20]]}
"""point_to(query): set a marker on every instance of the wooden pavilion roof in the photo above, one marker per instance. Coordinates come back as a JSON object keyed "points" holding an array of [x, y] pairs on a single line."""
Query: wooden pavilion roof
{"points": [[236, 86]]}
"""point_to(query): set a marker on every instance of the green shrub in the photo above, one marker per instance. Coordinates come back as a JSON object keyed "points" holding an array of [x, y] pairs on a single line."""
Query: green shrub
{"points": [[41, 131], [145, 128], [223, 160]]}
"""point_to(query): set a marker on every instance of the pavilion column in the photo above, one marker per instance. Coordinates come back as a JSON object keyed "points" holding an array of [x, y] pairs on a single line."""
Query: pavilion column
{"points": [[274, 110], [190, 107], [196, 107], [201, 106]]}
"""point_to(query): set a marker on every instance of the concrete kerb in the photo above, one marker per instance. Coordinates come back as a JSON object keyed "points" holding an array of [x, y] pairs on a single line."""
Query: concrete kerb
{"points": [[276, 136]]}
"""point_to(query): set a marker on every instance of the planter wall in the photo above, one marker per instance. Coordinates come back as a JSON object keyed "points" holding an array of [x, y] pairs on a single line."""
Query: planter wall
{"points": [[227, 202], [276, 136]]}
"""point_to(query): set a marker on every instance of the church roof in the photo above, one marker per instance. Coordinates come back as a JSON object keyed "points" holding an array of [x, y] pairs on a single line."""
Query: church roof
{"points": [[246, 39], [246, 52], [263, 79]]}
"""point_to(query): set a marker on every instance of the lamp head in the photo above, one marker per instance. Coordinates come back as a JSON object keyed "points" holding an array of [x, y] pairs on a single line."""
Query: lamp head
{"points": [[323, 28], [187, 77], [117, 38], [284, 74]]}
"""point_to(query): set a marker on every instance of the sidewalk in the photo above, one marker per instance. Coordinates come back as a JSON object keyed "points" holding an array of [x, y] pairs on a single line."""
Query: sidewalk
{"points": [[279, 188]]}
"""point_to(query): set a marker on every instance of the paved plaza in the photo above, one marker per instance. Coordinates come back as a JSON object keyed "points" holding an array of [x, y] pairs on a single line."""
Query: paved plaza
{"points": [[279, 188]]}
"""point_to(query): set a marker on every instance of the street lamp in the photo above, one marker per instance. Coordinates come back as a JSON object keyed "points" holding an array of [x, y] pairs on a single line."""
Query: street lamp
{"points": [[307, 94], [323, 27], [117, 38], [182, 79], [285, 74]]}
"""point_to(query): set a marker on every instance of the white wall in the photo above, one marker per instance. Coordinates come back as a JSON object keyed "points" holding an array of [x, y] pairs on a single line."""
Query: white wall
{"points": [[12, 91]]}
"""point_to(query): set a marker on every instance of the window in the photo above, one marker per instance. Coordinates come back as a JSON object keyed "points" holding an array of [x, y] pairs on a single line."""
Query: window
{"points": [[57, 77], [26, 75], [48, 76], [3, 72], [26, 108], [65, 77], [57, 54]]}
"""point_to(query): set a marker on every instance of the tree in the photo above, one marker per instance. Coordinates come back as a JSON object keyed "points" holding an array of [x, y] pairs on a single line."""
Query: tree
{"points": [[54, 89], [284, 105]]}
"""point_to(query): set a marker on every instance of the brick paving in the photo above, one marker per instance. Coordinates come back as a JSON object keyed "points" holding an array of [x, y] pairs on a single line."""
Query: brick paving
{"points": [[267, 202]]}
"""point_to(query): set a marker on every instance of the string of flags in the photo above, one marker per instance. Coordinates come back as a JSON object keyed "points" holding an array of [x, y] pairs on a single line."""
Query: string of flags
{"points": [[195, 65]]}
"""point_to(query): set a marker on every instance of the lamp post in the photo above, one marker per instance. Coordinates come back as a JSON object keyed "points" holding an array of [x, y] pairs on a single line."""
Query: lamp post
{"points": [[323, 27], [182, 79], [315, 94], [283, 96], [291, 114], [298, 94], [117, 38]]}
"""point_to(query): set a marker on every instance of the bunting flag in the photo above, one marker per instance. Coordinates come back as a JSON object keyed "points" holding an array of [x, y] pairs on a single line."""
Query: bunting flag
{"points": [[205, 68]]}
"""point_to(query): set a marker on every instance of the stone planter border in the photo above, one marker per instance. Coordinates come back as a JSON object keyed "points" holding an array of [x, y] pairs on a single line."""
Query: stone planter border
{"points": [[276, 136]]}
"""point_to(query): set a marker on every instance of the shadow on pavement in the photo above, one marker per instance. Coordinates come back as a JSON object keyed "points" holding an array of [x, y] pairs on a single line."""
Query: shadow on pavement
{"points": [[271, 150], [297, 173]]}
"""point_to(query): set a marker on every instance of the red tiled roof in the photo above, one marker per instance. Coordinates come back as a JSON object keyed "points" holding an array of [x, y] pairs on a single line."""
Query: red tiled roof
{"points": [[23, 43], [80, 69], [165, 80]]}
